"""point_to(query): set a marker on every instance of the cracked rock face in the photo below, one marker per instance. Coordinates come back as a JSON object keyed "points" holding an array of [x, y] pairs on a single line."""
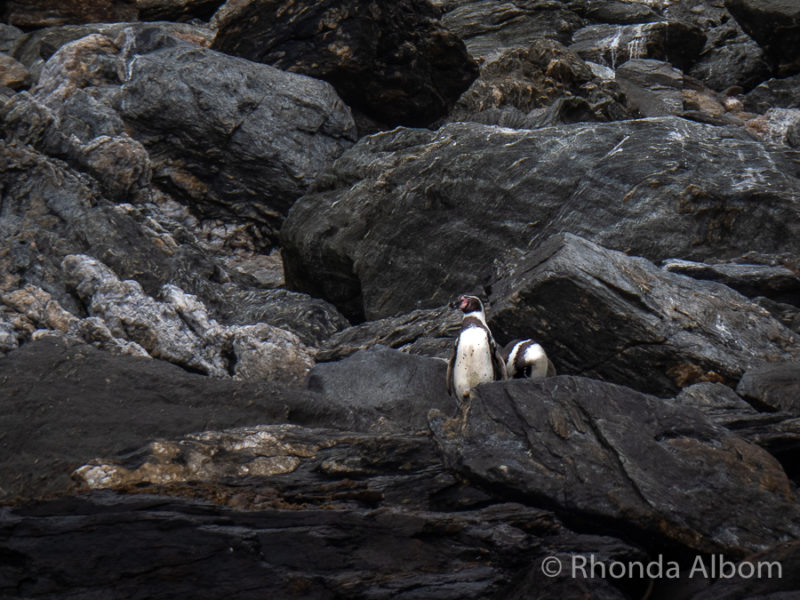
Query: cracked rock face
{"points": [[611, 453]]}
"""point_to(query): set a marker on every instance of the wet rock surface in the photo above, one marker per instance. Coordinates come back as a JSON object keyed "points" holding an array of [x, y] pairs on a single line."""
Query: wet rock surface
{"points": [[651, 187], [226, 286]]}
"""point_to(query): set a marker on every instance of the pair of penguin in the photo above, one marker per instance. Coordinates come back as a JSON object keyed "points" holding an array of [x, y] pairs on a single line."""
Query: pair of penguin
{"points": [[476, 358]]}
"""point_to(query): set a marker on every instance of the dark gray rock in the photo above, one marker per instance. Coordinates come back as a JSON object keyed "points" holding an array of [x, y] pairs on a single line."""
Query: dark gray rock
{"points": [[775, 577], [384, 388], [778, 283], [774, 93], [604, 314], [777, 432], [775, 24], [613, 45], [652, 87], [522, 80], [489, 28], [441, 211], [393, 62], [176, 10], [611, 454], [429, 332], [8, 37], [730, 57], [265, 133], [31, 14], [621, 13], [117, 546], [773, 387]]}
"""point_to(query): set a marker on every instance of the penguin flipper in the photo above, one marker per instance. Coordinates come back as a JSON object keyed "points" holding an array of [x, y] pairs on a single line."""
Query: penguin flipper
{"points": [[551, 369], [450, 364]]}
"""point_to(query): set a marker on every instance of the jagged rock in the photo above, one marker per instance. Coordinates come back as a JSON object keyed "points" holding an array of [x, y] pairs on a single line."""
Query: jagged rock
{"points": [[179, 329], [35, 47], [176, 10], [776, 432], [612, 454], [604, 314], [428, 332], [652, 87], [309, 552], [536, 77], [385, 389], [730, 57], [13, 74], [266, 352], [441, 211], [489, 28], [776, 125], [42, 13], [774, 93], [9, 36], [776, 282], [40, 308], [613, 45], [773, 387], [775, 24], [393, 62]]}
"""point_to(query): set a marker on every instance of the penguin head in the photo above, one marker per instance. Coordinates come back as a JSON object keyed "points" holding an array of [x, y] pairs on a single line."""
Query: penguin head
{"points": [[468, 304]]}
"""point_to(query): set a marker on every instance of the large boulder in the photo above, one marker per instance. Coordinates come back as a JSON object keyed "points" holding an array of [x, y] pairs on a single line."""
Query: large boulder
{"points": [[605, 314], [610, 454], [393, 61], [775, 24], [266, 133], [440, 211]]}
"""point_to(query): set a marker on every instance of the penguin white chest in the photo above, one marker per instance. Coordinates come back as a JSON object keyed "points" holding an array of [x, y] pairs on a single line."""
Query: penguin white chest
{"points": [[473, 364], [537, 359]]}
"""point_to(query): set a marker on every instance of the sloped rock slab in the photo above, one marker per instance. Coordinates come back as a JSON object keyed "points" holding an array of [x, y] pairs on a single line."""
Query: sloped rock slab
{"points": [[612, 454], [441, 211], [605, 314]]}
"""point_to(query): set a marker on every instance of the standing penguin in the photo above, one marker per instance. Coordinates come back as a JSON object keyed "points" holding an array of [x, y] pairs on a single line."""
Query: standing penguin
{"points": [[475, 358], [526, 358]]}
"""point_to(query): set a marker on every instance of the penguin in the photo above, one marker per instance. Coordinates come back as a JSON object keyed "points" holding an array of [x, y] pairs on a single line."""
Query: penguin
{"points": [[526, 358], [475, 357]]}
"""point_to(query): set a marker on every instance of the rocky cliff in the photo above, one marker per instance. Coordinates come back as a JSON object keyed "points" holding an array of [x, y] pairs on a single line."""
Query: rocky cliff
{"points": [[230, 235]]}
